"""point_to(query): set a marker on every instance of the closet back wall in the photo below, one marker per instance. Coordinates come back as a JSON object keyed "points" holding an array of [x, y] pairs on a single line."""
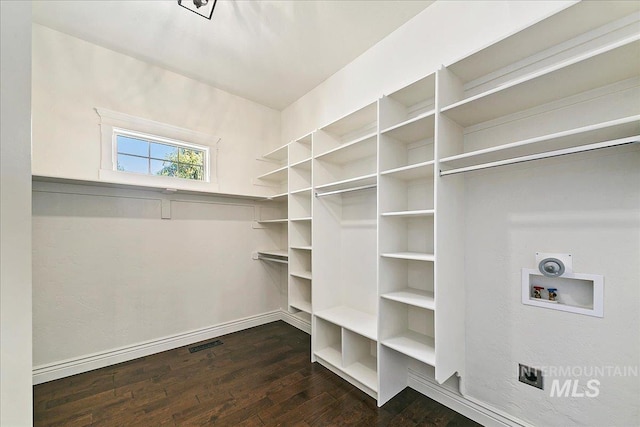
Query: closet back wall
{"points": [[108, 272]]}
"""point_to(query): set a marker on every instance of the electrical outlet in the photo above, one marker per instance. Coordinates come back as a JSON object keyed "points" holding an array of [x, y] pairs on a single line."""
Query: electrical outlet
{"points": [[530, 376]]}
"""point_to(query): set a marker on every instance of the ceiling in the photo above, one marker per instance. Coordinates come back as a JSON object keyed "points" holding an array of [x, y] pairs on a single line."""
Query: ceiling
{"points": [[271, 52]]}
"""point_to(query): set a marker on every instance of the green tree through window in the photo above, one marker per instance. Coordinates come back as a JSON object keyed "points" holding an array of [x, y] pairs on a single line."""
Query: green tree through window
{"points": [[184, 163], [138, 154]]}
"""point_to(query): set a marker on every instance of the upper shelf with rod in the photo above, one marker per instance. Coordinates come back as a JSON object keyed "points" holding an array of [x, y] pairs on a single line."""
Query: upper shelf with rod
{"points": [[610, 64], [364, 182], [570, 30], [572, 139]]}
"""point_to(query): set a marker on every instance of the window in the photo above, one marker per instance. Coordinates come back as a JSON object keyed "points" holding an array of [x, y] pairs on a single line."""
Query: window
{"points": [[151, 155], [143, 152]]}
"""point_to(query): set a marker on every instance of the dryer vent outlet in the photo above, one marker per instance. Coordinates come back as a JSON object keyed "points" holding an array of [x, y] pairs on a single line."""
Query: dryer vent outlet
{"points": [[530, 376]]}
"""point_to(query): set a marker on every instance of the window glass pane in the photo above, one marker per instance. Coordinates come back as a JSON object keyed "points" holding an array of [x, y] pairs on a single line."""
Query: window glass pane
{"points": [[164, 151], [151, 157], [164, 168], [193, 157], [190, 171], [128, 145], [132, 164]]}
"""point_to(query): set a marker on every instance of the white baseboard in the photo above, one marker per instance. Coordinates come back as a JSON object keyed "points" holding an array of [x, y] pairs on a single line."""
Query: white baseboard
{"points": [[471, 408], [296, 322], [77, 365]]}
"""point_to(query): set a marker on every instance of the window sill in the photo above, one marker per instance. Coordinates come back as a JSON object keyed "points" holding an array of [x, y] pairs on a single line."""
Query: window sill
{"points": [[163, 182], [204, 188]]}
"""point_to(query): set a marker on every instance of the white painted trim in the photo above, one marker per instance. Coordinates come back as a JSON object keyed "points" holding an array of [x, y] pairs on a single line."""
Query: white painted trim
{"points": [[117, 119], [77, 365], [295, 321], [471, 408], [111, 121], [155, 181]]}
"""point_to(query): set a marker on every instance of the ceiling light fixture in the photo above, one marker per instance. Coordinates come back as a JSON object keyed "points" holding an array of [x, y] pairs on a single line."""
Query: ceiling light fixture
{"points": [[203, 8]]}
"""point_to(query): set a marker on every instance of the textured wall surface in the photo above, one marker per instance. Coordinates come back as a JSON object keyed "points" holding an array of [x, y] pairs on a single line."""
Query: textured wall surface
{"points": [[593, 214], [108, 272]]}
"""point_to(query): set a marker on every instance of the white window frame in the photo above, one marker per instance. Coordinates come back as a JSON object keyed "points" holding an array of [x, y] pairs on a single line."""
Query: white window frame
{"points": [[112, 122], [159, 139]]}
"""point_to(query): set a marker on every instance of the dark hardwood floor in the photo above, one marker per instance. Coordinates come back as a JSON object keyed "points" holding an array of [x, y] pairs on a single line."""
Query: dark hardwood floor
{"points": [[260, 376]]}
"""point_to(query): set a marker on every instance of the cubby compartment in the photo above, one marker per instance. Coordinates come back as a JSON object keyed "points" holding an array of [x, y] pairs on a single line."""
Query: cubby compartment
{"points": [[398, 153], [406, 197], [300, 205], [359, 358], [300, 235], [406, 235], [347, 353], [300, 150], [334, 168], [300, 176], [276, 171], [356, 126], [300, 293], [407, 281], [300, 263], [327, 340], [408, 329], [409, 105]]}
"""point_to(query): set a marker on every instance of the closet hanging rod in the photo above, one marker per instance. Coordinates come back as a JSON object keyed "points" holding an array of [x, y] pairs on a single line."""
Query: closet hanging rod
{"points": [[549, 154], [271, 259], [346, 190]]}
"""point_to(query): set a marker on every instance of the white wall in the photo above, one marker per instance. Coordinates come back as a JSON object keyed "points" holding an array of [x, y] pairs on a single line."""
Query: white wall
{"points": [[444, 32], [593, 213], [108, 271], [71, 77], [15, 215], [510, 216]]}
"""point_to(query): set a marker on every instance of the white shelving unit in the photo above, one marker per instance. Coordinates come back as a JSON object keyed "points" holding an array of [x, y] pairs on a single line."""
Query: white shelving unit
{"points": [[415, 297], [272, 213], [300, 213], [276, 176], [350, 354], [344, 229], [300, 205], [607, 65], [406, 241], [616, 129], [382, 189], [567, 87]]}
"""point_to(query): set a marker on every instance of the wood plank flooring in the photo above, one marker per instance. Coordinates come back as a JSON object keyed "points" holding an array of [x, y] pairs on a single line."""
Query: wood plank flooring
{"points": [[260, 376]]}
